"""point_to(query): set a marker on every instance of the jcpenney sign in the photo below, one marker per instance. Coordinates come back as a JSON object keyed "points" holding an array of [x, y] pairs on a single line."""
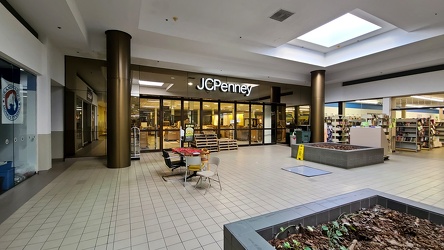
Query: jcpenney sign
{"points": [[214, 84]]}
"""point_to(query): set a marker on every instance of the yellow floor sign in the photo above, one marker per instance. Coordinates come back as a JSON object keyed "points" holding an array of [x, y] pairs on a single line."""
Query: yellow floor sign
{"points": [[300, 153]]}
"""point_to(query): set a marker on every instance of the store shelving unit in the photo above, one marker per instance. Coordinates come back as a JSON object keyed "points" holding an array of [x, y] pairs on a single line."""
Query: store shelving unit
{"points": [[426, 130], [227, 144], [208, 141], [439, 129], [340, 129], [407, 134]]}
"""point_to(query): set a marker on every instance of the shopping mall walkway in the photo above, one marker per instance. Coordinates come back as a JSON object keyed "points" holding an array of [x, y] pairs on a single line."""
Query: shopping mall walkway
{"points": [[89, 206]]}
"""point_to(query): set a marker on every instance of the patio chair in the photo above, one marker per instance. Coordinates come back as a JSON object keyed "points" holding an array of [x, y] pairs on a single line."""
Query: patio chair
{"points": [[210, 174]]}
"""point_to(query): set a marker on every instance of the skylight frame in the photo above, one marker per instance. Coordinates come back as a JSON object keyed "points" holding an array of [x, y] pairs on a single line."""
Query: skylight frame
{"points": [[329, 35]]}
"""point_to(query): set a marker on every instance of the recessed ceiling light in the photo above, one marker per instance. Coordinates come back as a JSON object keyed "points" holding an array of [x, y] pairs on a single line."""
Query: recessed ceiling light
{"points": [[190, 83], [341, 29], [149, 83]]}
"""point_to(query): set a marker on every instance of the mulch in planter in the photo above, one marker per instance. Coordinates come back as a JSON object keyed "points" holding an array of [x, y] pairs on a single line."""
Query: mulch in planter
{"points": [[368, 229], [336, 146]]}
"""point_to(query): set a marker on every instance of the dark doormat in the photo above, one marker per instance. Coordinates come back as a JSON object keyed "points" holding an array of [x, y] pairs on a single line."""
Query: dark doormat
{"points": [[306, 171]]}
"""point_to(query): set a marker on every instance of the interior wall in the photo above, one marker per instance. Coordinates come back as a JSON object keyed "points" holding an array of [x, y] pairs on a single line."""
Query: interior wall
{"points": [[402, 86], [18, 45], [57, 104]]}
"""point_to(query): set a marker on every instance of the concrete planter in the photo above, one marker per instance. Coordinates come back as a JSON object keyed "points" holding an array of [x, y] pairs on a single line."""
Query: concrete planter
{"points": [[254, 233], [361, 156]]}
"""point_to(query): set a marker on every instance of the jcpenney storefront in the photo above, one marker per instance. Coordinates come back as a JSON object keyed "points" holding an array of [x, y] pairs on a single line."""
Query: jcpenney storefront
{"points": [[231, 108], [164, 100]]}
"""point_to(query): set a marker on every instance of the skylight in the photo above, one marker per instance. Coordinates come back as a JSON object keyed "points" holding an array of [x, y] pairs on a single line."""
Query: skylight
{"points": [[341, 29]]}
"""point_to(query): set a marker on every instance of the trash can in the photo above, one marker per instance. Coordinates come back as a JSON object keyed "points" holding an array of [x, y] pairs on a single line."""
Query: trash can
{"points": [[303, 136], [293, 137]]}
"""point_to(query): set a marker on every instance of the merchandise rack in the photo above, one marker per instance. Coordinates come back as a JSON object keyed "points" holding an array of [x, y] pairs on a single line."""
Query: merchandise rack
{"points": [[407, 134], [428, 131], [439, 129]]}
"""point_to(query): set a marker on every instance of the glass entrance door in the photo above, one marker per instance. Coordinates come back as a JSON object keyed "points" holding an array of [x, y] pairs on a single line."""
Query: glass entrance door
{"points": [[149, 124], [172, 116]]}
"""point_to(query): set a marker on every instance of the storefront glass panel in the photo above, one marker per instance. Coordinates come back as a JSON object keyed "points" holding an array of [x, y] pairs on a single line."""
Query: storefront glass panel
{"points": [[18, 125], [281, 125], [209, 117], [192, 114], [172, 116], [79, 123], [149, 116], [256, 123], [226, 120], [243, 123]]}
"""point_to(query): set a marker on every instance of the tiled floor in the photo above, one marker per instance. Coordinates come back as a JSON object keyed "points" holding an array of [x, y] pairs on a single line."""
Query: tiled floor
{"points": [[92, 207]]}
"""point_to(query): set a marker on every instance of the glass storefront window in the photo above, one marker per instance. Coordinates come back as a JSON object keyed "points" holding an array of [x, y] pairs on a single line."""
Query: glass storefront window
{"points": [[209, 116], [242, 123], [135, 106], [281, 126], [303, 115], [79, 123], [171, 123], [18, 151], [226, 120], [149, 116], [256, 123]]}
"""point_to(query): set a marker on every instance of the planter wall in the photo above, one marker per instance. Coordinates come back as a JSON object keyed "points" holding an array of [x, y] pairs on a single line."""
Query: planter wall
{"points": [[253, 233], [361, 156]]}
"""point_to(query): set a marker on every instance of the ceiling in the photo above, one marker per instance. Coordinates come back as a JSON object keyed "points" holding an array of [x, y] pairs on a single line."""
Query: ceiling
{"points": [[238, 39]]}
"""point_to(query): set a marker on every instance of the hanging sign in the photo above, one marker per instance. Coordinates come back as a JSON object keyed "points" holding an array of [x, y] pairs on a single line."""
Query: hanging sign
{"points": [[11, 103], [211, 84]]}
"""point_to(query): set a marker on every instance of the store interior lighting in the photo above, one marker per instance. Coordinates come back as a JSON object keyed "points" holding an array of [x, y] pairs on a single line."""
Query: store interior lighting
{"points": [[149, 83], [428, 98], [368, 101]]}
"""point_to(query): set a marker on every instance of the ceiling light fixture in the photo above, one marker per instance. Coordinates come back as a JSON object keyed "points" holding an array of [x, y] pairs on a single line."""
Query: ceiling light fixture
{"points": [[341, 29], [368, 101], [428, 98], [190, 83], [414, 106], [149, 83]]}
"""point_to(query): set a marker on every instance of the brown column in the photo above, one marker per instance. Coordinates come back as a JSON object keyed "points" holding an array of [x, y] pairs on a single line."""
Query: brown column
{"points": [[317, 105], [341, 108], [118, 57], [275, 96]]}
